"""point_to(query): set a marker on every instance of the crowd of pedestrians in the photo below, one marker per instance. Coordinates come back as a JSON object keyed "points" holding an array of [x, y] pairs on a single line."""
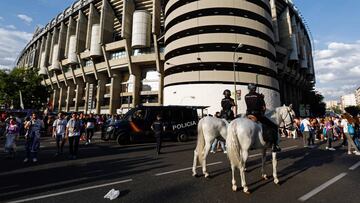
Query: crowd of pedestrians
{"points": [[63, 128], [72, 128], [344, 128]]}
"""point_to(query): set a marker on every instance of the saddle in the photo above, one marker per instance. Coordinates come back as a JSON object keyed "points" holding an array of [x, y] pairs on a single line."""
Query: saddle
{"points": [[268, 132], [252, 117]]}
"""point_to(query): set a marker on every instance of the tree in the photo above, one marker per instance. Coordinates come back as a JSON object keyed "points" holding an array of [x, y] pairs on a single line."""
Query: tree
{"points": [[353, 110], [336, 110], [315, 100], [27, 81]]}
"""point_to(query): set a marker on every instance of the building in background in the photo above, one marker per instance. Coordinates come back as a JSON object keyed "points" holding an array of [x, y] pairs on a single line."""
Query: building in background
{"points": [[347, 100], [332, 104], [357, 96], [107, 56]]}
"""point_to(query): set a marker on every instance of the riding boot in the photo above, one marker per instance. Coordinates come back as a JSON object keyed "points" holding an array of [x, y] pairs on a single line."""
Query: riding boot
{"points": [[276, 147]]}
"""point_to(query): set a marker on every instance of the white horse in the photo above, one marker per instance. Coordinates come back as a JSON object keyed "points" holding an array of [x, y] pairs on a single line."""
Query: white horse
{"points": [[244, 134], [209, 128]]}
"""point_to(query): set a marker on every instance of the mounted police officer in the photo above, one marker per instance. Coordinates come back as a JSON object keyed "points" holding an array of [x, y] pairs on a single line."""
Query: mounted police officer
{"points": [[227, 103], [256, 107]]}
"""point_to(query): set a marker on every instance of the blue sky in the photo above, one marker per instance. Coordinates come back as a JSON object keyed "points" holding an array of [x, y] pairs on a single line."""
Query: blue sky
{"points": [[331, 20], [334, 24]]}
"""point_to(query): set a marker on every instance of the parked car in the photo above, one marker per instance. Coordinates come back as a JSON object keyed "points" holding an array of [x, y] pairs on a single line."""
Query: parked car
{"points": [[180, 123]]}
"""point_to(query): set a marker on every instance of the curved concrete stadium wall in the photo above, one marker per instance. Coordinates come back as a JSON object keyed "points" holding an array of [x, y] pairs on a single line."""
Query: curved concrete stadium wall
{"points": [[141, 29], [201, 37]]}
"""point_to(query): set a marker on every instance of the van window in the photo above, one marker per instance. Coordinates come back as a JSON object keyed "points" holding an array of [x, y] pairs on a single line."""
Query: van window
{"points": [[188, 115], [152, 113], [176, 115]]}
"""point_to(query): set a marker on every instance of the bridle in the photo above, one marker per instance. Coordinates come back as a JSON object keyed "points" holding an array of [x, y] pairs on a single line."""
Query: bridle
{"points": [[287, 126]]}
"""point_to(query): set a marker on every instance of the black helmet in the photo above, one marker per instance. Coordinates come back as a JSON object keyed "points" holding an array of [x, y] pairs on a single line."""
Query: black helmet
{"points": [[226, 92], [252, 87]]}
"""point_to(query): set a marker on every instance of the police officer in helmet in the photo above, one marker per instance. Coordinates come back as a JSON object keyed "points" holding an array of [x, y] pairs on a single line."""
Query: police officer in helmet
{"points": [[256, 107], [227, 103]]}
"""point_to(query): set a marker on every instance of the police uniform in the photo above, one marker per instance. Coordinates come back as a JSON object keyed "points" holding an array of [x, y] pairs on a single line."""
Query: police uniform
{"points": [[158, 128], [227, 103], [255, 104]]}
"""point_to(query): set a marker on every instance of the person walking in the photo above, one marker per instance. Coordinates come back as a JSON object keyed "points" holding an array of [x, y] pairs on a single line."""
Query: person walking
{"points": [[73, 128], [59, 128], [12, 134], [305, 130], [330, 128], [32, 137], [349, 135], [90, 128], [158, 127]]}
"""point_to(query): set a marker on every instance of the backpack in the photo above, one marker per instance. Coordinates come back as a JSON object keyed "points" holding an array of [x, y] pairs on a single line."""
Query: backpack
{"points": [[351, 129], [302, 127]]}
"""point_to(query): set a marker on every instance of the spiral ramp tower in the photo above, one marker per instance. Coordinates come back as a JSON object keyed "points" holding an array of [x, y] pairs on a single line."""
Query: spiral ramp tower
{"points": [[206, 40]]}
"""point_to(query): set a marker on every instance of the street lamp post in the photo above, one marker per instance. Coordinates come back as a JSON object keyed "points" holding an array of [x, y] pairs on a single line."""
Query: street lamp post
{"points": [[234, 66]]}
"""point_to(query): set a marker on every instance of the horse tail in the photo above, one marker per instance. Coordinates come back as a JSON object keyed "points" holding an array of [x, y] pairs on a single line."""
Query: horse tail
{"points": [[200, 142], [233, 146]]}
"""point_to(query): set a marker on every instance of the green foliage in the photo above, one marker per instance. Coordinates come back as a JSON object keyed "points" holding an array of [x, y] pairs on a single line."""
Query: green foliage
{"points": [[336, 110], [27, 81], [315, 100], [353, 110]]}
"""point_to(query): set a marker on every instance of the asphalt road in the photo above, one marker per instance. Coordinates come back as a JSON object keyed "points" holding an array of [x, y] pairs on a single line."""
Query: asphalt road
{"points": [[306, 175]]}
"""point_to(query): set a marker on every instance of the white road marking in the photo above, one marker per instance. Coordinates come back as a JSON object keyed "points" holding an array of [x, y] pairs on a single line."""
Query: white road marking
{"points": [[70, 191], [185, 169], [321, 187], [355, 166]]}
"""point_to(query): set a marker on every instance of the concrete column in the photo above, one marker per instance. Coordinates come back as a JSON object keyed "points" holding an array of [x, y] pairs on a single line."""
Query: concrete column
{"points": [[137, 85], [100, 91], [106, 23], [86, 105], [79, 94], [115, 90], [55, 98], [70, 97], [62, 97]]}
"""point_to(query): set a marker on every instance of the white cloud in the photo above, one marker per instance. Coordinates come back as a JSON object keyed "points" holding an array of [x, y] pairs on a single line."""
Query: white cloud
{"points": [[337, 69], [11, 43], [11, 27], [25, 18]]}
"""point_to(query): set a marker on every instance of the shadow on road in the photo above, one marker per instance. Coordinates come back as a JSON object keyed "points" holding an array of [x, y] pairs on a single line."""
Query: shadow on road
{"points": [[103, 165]]}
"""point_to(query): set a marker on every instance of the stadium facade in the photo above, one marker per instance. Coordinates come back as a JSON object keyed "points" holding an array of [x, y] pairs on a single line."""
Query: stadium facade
{"points": [[106, 56]]}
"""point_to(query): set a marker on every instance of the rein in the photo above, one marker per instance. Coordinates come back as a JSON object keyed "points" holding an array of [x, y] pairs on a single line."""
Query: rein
{"points": [[287, 126]]}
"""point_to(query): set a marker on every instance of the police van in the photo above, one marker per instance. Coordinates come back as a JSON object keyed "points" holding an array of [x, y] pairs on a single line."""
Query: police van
{"points": [[180, 124]]}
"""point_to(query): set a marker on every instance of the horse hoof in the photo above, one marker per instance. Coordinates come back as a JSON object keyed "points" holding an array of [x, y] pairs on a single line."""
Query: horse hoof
{"points": [[246, 191], [207, 175], [194, 175], [234, 188], [265, 177], [276, 181], [245, 169]]}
